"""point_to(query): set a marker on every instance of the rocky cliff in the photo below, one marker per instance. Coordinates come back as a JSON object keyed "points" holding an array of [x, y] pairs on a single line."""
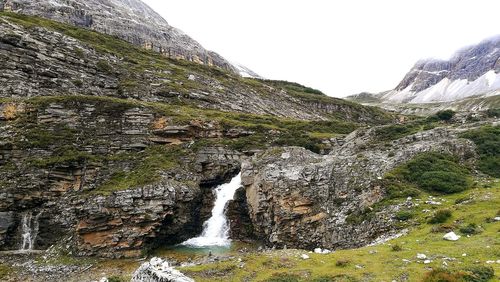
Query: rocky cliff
{"points": [[303, 200], [99, 176], [130, 20], [471, 71]]}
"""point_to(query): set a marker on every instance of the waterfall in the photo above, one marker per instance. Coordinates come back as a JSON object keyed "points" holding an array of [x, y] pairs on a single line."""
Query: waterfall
{"points": [[216, 228], [29, 231]]}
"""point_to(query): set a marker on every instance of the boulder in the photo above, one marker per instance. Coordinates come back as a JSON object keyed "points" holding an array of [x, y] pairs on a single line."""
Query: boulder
{"points": [[451, 236], [158, 270]]}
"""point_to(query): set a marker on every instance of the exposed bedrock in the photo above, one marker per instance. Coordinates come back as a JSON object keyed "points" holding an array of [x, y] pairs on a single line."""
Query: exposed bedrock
{"points": [[300, 199]]}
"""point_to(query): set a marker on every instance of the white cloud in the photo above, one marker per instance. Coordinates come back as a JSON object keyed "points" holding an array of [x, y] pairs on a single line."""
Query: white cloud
{"points": [[341, 47]]}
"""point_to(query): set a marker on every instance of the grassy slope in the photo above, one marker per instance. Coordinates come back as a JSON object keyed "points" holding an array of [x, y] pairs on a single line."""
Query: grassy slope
{"points": [[381, 263]]}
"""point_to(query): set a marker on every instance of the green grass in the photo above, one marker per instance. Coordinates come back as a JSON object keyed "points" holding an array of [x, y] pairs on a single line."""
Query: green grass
{"points": [[396, 131], [487, 140], [381, 263], [148, 165], [431, 172]]}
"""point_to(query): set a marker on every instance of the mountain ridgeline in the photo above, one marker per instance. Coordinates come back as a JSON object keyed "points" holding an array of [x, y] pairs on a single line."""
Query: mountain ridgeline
{"points": [[469, 81]]}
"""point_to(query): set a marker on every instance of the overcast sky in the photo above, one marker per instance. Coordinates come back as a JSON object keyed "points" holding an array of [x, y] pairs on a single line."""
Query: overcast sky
{"points": [[340, 47]]}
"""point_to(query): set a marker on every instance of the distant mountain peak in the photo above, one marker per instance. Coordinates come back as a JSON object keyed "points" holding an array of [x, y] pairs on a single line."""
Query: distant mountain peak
{"points": [[471, 71]]}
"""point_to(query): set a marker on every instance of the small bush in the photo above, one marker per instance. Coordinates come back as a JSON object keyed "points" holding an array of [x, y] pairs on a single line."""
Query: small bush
{"points": [[104, 66], [479, 273], [433, 172], [487, 140], [396, 248], [284, 277], [396, 189], [443, 228], [78, 83], [470, 229], [440, 216], [342, 262], [445, 115], [472, 274], [441, 275], [404, 215], [493, 113]]}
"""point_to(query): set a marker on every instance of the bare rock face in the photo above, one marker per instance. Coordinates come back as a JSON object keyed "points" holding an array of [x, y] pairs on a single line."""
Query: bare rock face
{"points": [[87, 143], [131, 20], [300, 199]]}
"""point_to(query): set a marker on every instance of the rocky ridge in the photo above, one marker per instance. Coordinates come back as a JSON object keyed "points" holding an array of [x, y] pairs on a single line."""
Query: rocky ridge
{"points": [[130, 20]]}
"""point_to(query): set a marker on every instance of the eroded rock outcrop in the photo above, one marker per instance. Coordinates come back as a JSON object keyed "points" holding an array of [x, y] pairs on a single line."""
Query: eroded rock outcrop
{"points": [[68, 161], [300, 199]]}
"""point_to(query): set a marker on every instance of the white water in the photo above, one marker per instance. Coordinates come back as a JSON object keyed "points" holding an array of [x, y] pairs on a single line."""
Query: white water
{"points": [[29, 231], [216, 228]]}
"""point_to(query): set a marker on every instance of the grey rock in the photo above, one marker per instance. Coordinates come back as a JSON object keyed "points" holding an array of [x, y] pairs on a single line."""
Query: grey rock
{"points": [[130, 20]]}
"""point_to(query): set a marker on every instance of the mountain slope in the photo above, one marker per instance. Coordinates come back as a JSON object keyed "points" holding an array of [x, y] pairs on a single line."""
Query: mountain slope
{"points": [[131, 20], [471, 71], [42, 57]]}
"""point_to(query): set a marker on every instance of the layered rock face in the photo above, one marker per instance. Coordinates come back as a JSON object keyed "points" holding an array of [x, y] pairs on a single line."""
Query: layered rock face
{"points": [[131, 20], [67, 164], [299, 199], [470, 72], [39, 61]]}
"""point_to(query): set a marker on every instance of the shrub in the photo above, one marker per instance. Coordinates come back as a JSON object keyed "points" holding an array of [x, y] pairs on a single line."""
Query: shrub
{"points": [[443, 228], [104, 66], [440, 216], [441, 275], [284, 277], [470, 229], [487, 140], [471, 274], [493, 112], [396, 131], [78, 83], [445, 115], [433, 172], [479, 273], [395, 189], [404, 215], [396, 248], [342, 262]]}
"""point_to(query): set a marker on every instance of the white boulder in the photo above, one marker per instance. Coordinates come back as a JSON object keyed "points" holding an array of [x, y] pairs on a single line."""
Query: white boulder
{"points": [[421, 256], [158, 270], [451, 236]]}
